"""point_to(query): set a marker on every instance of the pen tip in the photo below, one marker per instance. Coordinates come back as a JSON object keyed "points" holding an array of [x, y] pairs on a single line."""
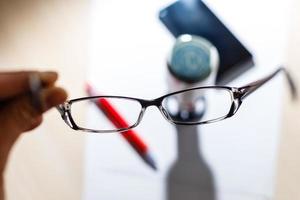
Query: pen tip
{"points": [[150, 161]]}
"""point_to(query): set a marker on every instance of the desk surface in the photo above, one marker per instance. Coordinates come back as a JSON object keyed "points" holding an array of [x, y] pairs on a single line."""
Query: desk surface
{"points": [[128, 58]]}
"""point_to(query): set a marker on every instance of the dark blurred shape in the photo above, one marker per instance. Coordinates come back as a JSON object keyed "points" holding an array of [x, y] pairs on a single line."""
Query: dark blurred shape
{"points": [[195, 18], [190, 177]]}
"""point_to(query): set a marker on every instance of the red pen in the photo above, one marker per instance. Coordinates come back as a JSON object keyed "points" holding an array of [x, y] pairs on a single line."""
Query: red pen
{"points": [[119, 122]]}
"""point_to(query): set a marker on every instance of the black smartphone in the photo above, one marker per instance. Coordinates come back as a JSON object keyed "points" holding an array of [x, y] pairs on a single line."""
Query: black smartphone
{"points": [[194, 17]]}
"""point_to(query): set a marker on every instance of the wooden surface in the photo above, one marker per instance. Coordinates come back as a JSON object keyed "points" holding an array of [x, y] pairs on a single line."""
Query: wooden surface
{"points": [[288, 179], [34, 34]]}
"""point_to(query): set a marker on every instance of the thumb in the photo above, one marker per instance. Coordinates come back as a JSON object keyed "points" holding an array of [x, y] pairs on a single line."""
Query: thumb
{"points": [[19, 115]]}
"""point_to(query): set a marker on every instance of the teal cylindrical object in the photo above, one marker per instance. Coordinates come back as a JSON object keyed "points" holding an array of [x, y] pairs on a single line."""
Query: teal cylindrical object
{"points": [[193, 62], [192, 59]]}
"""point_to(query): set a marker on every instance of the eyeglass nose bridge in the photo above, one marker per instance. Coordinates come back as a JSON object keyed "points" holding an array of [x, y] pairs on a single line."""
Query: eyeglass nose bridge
{"points": [[156, 103]]}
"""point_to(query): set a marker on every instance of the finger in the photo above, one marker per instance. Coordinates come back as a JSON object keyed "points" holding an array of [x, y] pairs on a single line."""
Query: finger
{"points": [[52, 97], [15, 83], [19, 115]]}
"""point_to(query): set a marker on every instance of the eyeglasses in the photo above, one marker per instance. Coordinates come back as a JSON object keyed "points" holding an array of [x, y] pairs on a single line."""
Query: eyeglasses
{"points": [[194, 106]]}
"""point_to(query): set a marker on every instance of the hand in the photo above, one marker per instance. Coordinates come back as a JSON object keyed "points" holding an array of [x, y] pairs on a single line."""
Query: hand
{"points": [[17, 114]]}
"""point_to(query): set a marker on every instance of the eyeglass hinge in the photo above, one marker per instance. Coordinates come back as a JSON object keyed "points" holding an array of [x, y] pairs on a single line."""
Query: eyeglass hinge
{"points": [[66, 106], [238, 93]]}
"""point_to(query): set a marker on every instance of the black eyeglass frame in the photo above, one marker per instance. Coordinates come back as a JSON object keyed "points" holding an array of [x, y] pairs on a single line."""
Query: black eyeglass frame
{"points": [[238, 94]]}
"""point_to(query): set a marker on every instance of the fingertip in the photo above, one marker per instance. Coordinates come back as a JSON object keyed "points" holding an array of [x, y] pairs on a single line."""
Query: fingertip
{"points": [[48, 77], [55, 96]]}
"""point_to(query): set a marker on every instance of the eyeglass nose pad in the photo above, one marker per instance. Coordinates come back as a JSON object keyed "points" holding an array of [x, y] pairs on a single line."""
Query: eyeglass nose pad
{"points": [[140, 117], [165, 113]]}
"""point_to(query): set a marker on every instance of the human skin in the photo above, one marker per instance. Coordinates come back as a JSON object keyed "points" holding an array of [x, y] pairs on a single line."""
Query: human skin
{"points": [[17, 114]]}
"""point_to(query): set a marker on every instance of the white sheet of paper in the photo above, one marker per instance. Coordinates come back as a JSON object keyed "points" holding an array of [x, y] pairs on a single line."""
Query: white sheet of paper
{"points": [[129, 48]]}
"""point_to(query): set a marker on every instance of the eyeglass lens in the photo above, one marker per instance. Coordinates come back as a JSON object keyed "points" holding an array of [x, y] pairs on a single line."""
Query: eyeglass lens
{"points": [[100, 112], [198, 105]]}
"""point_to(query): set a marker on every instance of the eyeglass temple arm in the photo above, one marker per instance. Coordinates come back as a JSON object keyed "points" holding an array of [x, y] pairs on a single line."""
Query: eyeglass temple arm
{"points": [[251, 87]]}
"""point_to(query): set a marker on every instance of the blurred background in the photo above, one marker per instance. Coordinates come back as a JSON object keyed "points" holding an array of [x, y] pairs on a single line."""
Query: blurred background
{"points": [[54, 162]]}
